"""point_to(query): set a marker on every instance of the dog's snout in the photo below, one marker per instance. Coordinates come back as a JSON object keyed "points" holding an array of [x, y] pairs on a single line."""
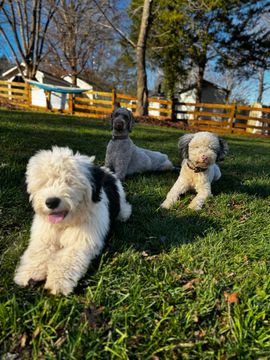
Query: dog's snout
{"points": [[52, 202], [119, 126], [204, 157]]}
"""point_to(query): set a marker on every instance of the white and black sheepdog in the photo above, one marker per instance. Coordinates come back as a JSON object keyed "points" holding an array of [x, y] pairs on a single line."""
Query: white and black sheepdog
{"points": [[200, 152], [75, 204]]}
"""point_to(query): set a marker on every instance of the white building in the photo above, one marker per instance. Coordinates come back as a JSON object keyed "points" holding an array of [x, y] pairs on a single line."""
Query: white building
{"points": [[211, 94], [57, 100], [82, 84]]}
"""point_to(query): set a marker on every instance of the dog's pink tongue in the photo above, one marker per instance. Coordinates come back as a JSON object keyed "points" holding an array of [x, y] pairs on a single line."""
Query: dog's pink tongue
{"points": [[56, 218]]}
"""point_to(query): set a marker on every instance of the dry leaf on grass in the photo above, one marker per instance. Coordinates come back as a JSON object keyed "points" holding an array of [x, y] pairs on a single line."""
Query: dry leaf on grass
{"points": [[23, 340], [234, 204], [60, 341], [92, 313], [243, 218], [36, 332], [231, 298], [145, 254], [199, 334], [189, 285]]}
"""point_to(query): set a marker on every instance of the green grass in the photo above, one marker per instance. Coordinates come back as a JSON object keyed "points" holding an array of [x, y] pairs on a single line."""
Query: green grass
{"points": [[157, 291]]}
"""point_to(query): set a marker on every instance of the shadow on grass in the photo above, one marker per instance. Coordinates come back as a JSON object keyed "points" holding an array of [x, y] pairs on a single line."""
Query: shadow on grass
{"points": [[229, 184], [43, 119]]}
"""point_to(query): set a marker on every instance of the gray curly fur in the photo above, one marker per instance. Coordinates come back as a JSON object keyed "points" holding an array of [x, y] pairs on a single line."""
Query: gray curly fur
{"points": [[123, 156]]}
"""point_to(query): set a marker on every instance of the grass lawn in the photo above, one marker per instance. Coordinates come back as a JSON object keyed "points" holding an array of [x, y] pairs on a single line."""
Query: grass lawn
{"points": [[172, 284]]}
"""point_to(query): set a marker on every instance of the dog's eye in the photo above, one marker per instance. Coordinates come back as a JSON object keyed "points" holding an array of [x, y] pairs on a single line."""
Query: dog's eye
{"points": [[69, 181]]}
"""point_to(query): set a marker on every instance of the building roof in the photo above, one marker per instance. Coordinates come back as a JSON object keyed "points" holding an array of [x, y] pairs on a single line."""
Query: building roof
{"points": [[47, 77], [206, 83]]}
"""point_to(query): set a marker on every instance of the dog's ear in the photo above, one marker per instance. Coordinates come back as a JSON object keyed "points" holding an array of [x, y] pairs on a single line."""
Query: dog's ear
{"points": [[112, 117], [223, 149], [183, 145], [131, 121]]}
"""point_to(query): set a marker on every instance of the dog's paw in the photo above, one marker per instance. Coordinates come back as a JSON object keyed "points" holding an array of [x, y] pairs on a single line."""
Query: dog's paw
{"points": [[21, 280], [25, 278], [166, 204], [59, 286], [194, 206]]}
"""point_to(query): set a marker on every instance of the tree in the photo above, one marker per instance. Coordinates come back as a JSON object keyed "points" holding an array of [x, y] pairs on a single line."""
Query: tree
{"points": [[238, 90], [183, 39], [139, 45], [24, 28], [4, 63], [244, 42], [78, 37]]}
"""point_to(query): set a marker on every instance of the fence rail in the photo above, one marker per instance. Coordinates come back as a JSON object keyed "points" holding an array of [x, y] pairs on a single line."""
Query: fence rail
{"points": [[220, 118]]}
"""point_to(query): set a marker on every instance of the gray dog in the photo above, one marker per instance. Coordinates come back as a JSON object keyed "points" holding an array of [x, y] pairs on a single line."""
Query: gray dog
{"points": [[123, 156]]}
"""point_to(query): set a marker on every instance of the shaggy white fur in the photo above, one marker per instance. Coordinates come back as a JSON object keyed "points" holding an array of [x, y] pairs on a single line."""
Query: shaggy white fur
{"points": [[200, 152], [75, 203]]}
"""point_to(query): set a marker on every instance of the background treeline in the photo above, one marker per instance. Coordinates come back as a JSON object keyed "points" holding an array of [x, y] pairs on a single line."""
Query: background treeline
{"points": [[115, 43]]}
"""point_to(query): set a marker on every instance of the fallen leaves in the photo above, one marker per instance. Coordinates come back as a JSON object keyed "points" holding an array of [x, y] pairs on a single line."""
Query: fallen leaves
{"points": [[23, 340], [59, 342], [200, 334], [243, 218], [231, 298], [235, 204], [92, 313], [148, 256], [189, 285]]}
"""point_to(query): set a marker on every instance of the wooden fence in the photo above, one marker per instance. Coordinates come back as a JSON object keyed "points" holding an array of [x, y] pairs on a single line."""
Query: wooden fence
{"points": [[224, 118], [220, 118], [97, 104]]}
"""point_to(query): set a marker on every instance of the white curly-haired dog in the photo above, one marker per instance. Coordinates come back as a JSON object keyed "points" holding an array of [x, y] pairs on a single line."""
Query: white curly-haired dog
{"points": [[123, 156], [200, 152], [75, 204]]}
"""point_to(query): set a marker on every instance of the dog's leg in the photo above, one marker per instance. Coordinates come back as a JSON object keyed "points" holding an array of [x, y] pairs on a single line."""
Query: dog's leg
{"points": [[33, 263], [120, 168], [65, 269], [125, 207], [70, 263], [217, 172], [180, 187], [167, 165], [200, 198]]}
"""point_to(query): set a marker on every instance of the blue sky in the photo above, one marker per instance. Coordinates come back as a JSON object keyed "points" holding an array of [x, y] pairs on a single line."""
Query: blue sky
{"points": [[251, 86]]}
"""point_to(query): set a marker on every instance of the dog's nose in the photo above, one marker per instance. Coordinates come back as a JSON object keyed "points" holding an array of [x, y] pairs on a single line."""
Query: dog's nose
{"points": [[119, 126], [204, 157], [52, 202]]}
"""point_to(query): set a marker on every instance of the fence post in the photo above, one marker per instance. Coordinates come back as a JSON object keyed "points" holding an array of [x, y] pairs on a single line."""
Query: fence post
{"points": [[114, 97], [232, 116], [71, 103], [173, 109], [28, 94]]}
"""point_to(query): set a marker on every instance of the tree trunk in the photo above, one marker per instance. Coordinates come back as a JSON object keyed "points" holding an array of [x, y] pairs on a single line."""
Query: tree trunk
{"points": [[199, 84], [142, 90], [74, 77], [261, 86]]}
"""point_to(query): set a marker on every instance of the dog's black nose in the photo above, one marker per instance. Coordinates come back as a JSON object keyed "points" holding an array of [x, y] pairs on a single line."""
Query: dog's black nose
{"points": [[52, 202], [119, 126]]}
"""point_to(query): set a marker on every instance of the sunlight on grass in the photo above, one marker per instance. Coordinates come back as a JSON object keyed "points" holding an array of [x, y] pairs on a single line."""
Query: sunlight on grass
{"points": [[157, 291]]}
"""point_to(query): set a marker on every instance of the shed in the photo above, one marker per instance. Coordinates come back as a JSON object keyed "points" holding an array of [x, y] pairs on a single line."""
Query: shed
{"points": [[57, 100]]}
